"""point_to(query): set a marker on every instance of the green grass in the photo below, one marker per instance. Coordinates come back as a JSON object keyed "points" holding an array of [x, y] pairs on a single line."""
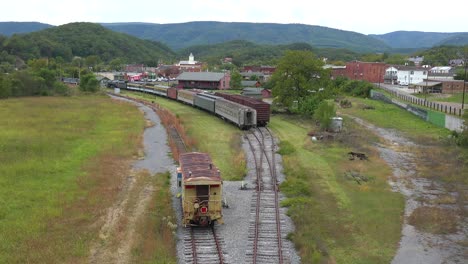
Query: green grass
{"points": [[336, 219], [46, 148], [390, 116], [158, 227], [213, 135], [450, 98]]}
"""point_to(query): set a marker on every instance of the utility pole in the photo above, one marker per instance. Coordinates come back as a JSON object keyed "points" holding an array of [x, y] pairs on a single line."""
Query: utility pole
{"points": [[464, 84]]}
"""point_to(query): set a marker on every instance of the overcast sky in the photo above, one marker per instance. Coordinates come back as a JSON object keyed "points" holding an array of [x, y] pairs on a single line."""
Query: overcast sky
{"points": [[367, 17]]}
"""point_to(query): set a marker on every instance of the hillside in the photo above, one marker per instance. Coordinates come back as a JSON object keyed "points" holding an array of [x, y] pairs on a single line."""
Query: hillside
{"points": [[182, 35], [84, 39], [10, 28], [244, 52], [413, 39], [456, 40]]}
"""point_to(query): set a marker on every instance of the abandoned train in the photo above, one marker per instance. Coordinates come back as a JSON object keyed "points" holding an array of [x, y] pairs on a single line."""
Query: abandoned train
{"points": [[202, 190], [245, 113]]}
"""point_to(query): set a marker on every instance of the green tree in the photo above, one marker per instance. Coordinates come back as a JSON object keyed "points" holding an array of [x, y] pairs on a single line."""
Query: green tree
{"points": [[116, 64], [5, 86], [299, 74], [236, 79], [324, 113], [89, 83], [460, 74]]}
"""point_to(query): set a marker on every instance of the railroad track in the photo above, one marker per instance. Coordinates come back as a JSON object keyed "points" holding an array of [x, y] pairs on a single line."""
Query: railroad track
{"points": [[265, 236], [202, 245]]}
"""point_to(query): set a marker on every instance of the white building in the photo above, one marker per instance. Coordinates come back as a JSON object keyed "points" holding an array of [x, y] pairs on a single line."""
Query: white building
{"points": [[442, 73], [191, 61], [408, 75], [391, 75]]}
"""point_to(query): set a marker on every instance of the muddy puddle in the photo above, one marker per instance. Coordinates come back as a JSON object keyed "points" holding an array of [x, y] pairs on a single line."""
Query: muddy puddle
{"points": [[420, 194]]}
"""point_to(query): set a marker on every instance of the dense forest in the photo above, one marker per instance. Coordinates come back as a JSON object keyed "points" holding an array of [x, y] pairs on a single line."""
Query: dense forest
{"points": [[83, 39]]}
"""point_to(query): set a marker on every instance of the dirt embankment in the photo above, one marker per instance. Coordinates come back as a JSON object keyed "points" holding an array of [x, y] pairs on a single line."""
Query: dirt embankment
{"points": [[435, 226]]}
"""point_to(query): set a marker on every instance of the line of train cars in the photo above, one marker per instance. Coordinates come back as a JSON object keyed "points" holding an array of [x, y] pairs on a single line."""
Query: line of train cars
{"points": [[202, 189], [244, 112]]}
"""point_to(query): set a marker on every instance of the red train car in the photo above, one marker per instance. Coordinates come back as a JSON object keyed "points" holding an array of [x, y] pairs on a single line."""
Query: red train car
{"points": [[262, 108], [172, 93]]}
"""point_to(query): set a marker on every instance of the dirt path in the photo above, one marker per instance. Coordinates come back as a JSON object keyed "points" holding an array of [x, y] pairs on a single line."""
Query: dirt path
{"points": [[117, 234], [425, 198]]}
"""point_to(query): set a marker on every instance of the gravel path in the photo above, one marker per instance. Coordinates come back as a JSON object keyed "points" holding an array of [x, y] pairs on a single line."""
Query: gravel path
{"points": [[417, 246]]}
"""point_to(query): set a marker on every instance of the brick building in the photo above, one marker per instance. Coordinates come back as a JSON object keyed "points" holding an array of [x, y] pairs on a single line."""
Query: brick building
{"points": [[366, 71], [204, 80], [455, 86]]}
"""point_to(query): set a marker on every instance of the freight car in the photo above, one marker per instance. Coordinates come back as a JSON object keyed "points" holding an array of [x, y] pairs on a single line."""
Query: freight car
{"points": [[202, 190], [262, 108]]}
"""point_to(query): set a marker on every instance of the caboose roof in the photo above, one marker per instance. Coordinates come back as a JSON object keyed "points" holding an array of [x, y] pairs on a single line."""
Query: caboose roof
{"points": [[197, 166]]}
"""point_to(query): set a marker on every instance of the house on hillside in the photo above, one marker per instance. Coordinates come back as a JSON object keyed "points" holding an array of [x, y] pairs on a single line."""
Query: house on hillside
{"points": [[456, 62], [417, 60], [204, 80]]}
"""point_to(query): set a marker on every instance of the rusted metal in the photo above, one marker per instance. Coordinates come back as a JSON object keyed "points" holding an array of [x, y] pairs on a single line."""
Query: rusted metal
{"points": [[194, 247], [218, 246], [198, 165]]}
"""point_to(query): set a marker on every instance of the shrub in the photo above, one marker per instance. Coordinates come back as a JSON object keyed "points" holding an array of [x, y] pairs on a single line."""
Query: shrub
{"points": [[325, 111]]}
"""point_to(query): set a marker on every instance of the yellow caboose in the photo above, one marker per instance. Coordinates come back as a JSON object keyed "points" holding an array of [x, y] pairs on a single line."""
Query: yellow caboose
{"points": [[202, 189]]}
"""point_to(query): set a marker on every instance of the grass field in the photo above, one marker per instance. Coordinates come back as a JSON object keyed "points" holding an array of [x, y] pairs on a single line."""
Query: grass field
{"points": [[211, 135], [451, 98], [61, 161], [156, 243], [337, 219], [390, 116]]}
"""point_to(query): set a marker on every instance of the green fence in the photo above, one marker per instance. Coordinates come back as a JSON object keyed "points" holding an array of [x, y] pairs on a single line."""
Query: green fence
{"points": [[436, 118]]}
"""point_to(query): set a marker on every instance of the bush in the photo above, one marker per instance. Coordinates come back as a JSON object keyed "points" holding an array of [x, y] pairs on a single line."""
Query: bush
{"points": [[324, 113], [89, 83]]}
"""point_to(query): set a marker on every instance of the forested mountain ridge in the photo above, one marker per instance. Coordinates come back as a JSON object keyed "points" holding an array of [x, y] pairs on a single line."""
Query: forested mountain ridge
{"points": [[182, 35], [10, 28], [83, 39], [419, 39]]}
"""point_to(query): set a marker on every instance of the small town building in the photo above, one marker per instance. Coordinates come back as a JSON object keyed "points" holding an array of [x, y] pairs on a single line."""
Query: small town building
{"points": [[204, 80], [416, 60], [428, 87], [441, 73], [410, 75], [257, 93], [190, 65], [366, 71], [253, 75], [250, 84], [454, 86], [456, 62], [336, 71], [391, 75]]}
